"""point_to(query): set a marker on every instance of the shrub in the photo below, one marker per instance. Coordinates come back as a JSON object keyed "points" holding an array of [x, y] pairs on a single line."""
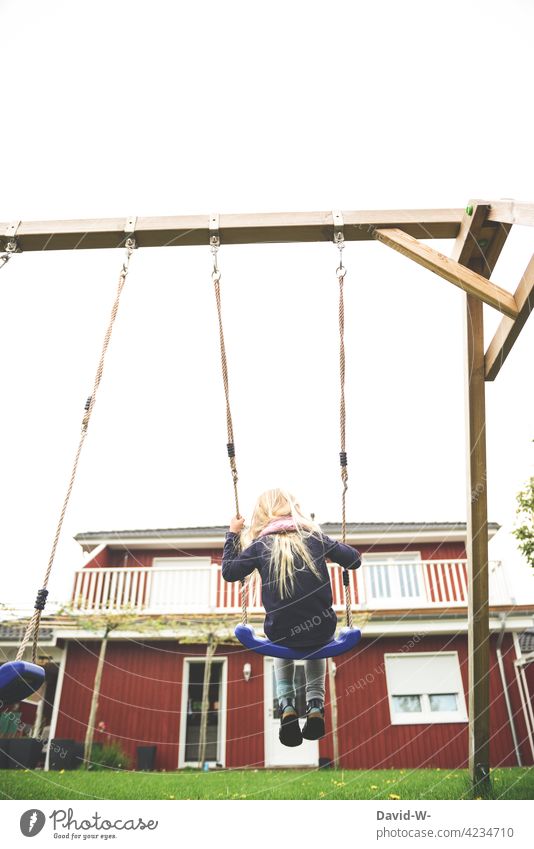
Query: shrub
{"points": [[108, 756]]}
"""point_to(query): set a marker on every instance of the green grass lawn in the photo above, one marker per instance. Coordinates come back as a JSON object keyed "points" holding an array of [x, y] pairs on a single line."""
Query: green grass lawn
{"points": [[509, 783]]}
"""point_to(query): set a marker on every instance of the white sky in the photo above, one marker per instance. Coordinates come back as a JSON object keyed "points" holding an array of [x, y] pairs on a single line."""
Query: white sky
{"points": [[168, 108]]}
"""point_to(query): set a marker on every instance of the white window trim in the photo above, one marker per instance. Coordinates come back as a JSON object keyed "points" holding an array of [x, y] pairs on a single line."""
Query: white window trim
{"points": [[388, 558], [427, 716], [177, 562], [221, 759], [387, 555]]}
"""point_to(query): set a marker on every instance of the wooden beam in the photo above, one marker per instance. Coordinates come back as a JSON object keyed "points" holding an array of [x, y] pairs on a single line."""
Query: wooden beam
{"points": [[455, 272], [508, 330], [512, 212], [235, 229]]}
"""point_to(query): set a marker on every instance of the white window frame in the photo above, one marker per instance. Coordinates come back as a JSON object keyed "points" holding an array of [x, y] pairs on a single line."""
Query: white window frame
{"points": [[388, 558], [427, 716], [222, 710], [201, 564]]}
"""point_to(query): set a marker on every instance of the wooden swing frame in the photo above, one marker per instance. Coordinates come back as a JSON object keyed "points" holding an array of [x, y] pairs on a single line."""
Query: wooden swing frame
{"points": [[480, 233]]}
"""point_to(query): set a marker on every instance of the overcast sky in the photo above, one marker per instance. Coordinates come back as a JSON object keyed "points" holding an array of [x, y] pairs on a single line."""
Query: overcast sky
{"points": [[114, 109]]}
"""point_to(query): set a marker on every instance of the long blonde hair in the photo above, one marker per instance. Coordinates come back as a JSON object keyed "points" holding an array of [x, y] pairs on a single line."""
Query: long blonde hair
{"points": [[285, 547]]}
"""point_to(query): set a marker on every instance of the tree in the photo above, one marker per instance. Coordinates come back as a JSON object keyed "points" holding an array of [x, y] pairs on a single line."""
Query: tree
{"points": [[525, 511], [106, 623]]}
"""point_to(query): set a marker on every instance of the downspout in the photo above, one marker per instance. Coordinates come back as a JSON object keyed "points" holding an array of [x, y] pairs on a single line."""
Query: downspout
{"points": [[502, 617], [521, 680]]}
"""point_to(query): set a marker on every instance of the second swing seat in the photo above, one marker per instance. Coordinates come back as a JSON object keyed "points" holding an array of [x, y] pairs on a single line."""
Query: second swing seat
{"points": [[18, 680]]}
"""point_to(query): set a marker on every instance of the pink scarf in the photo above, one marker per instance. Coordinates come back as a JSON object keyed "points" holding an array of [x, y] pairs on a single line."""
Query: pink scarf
{"points": [[277, 526]]}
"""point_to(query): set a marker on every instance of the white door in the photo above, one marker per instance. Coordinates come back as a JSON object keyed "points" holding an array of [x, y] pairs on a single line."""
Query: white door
{"points": [[275, 754]]}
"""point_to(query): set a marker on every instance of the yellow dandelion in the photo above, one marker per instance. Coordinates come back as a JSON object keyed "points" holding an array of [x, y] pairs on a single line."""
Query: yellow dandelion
{"points": [[374, 787], [393, 796]]}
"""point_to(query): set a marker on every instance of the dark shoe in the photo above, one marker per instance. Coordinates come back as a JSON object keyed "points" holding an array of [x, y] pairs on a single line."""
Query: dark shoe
{"points": [[290, 733], [314, 725]]}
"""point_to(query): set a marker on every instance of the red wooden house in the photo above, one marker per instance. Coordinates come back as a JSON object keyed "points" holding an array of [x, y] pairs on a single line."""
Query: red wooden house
{"points": [[402, 695]]}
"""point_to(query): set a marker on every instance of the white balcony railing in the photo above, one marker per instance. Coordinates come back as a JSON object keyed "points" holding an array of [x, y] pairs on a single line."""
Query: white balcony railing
{"points": [[197, 586]]}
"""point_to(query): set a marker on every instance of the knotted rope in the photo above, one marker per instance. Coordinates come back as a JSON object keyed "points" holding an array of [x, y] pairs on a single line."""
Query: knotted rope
{"points": [[230, 446], [32, 629], [341, 271]]}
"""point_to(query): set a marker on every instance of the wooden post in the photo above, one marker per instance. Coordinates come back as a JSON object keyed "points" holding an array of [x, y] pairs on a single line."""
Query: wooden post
{"points": [[333, 710], [468, 251], [202, 739], [477, 549]]}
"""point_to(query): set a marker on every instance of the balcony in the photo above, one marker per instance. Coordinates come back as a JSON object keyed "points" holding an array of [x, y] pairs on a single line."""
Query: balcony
{"points": [[195, 586]]}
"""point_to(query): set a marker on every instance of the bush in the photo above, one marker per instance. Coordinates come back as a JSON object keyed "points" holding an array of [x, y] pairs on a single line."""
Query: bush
{"points": [[108, 756]]}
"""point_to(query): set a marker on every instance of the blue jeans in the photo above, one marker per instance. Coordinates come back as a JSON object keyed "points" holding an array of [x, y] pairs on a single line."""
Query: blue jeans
{"points": [[315, 671]]}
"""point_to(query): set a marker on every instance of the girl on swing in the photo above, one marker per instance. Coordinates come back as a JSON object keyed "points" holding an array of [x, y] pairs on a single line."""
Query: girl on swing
{"points": [[289, 549]]}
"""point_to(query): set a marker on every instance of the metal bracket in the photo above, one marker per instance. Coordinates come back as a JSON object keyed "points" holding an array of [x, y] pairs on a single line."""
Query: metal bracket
{"points": [[338, 226], [215, 239], [10, 234], [129, 228], [215, 243]]}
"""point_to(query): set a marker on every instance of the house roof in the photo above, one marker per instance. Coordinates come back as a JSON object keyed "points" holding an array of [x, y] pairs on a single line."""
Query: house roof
{"points": [[386, 532]]}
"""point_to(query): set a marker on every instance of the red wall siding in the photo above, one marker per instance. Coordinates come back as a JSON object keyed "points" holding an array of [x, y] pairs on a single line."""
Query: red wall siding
{"points": [[367, 739], [141, 699], [428, 551], [118, 557], [101, 560], [244, 730]]}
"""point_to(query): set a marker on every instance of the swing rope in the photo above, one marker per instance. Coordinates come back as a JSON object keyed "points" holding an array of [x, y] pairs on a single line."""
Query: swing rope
{"points": [[230, 446], [32, 629], [341, 272]]}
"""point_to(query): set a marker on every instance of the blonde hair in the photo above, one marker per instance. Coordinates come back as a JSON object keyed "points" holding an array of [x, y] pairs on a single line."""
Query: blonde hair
{"points": [[285, 547]]}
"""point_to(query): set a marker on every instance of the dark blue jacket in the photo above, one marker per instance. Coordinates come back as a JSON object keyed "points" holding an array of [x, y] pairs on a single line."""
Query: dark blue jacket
{"points": [[306, 619]]}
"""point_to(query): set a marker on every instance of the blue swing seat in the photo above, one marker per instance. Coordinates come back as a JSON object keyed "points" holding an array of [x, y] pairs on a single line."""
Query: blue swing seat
{"points": [[346, 640], [18, 680]]}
